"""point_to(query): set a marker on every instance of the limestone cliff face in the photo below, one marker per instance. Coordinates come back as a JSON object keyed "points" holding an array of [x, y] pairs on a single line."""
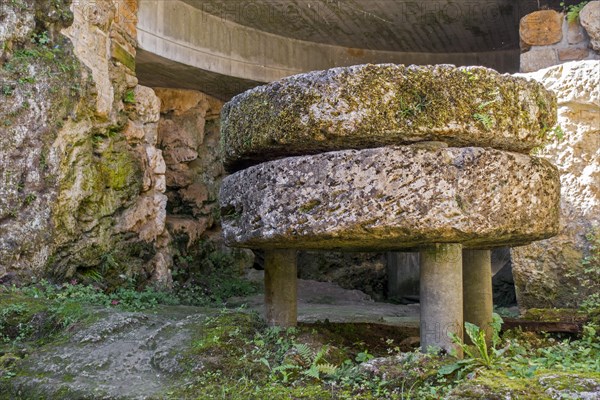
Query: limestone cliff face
{"points": [[551, 273], [188, 135], [83, 183]]}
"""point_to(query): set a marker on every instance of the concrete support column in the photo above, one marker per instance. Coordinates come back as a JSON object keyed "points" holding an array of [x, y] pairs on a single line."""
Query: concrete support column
{"points": [[441, 296], [403, 276], [477, 289], [281, 288]]}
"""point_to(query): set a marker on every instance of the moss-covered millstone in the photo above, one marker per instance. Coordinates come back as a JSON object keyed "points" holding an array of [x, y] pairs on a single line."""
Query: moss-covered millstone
{"points": [[368, 106], [392, 198]]}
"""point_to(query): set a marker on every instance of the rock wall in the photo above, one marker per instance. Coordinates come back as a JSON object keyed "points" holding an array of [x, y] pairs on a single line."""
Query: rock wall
{"points": [[188, 132], [549, 38], [551, 273], [83, 182]]}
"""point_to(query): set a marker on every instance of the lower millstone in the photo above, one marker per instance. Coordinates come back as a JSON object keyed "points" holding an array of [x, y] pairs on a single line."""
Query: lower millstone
{"points": [[392, 198]]}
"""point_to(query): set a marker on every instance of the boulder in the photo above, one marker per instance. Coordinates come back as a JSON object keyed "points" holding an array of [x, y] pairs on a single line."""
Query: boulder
{"points": [[551, 273], [369, 106], [589, 16], [391, 198]]}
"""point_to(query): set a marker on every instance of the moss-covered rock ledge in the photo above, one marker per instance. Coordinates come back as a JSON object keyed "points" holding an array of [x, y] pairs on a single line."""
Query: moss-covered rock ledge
{"points": [[369, 105]]}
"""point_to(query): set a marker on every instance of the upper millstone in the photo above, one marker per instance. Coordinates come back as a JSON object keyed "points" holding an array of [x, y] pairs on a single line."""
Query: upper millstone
{"points": [[392, 198], [368, 106]]}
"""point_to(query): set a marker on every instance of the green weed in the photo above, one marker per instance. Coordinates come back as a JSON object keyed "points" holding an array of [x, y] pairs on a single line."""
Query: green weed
{"points": [[573, 10]]}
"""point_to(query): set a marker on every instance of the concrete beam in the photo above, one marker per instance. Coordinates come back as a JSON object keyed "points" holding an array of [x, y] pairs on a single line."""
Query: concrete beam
{"points": [[281, 288], [186, 35], [441, 296]]}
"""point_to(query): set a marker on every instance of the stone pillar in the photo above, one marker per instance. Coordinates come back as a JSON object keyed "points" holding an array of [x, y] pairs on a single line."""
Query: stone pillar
{"points": [[477, 289], [441, 296], [281, 307]]}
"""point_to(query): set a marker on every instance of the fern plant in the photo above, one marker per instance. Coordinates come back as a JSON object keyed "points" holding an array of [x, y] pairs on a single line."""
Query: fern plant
{"points": [[484, 119], [306, 363]]}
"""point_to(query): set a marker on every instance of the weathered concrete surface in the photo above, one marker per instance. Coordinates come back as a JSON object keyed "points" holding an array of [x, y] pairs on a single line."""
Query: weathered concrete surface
{"points": [[321, 301], [223, 48], [441, 296], [127, 356], [121, 356], [477, 289], [367, 106], [391, 198], [550, 273]]}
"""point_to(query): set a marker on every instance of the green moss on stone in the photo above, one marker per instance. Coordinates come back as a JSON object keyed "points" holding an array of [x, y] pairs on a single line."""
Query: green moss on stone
{"points": [[377, 105], [308, 206], [545, 385]]}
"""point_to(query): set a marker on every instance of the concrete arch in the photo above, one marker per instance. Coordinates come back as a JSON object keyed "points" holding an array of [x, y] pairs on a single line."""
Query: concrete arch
{"points": [[181, 45]]}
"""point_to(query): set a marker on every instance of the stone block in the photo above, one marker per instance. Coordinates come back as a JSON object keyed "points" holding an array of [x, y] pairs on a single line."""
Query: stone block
{"points": [[541, 28], [134, 131], [571, 53], [391, 198], [126, 17], [575, 33], [537, 59], [367, 106], [147, 104]]}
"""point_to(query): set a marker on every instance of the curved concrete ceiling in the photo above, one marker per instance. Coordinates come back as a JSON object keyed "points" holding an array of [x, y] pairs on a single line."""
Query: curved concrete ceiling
{"points": [[225, 47]]}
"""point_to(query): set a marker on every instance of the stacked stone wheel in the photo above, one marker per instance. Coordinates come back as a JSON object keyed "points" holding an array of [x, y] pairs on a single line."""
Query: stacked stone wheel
{"points": [[387, 157]]}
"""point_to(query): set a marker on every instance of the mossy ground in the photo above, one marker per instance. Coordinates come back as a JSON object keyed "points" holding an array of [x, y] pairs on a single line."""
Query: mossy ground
{"points": [[233, 354], [241, 358]]}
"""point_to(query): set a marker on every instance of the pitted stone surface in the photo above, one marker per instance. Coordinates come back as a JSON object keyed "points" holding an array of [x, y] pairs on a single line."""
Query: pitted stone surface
{"points": [[392, 198], [369, 106]]}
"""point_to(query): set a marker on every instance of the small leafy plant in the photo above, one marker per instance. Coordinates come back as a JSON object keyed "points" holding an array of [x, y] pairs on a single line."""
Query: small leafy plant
{"points": [[573, 10], [480, 355]]}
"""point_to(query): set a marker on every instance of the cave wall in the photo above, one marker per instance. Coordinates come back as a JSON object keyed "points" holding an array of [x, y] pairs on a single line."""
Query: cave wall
{"points": [[189, 136], [188, 133]]}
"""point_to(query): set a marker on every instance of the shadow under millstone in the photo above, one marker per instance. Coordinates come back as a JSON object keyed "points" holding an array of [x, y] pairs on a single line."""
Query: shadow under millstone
{"points": [[123, 355], [503, 284]]}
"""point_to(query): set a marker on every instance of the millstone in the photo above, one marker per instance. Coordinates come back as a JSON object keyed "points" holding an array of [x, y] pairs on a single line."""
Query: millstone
{"points": [[369, 106], [392, 198]]}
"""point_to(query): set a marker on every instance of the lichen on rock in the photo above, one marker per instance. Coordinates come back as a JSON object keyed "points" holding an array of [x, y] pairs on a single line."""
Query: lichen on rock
{"points": [[550, 273], [84, 180], [391, 198]]}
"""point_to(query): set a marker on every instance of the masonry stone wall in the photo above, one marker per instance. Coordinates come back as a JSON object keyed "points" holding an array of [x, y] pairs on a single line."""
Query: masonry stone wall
{"points": [[549, 38]]}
